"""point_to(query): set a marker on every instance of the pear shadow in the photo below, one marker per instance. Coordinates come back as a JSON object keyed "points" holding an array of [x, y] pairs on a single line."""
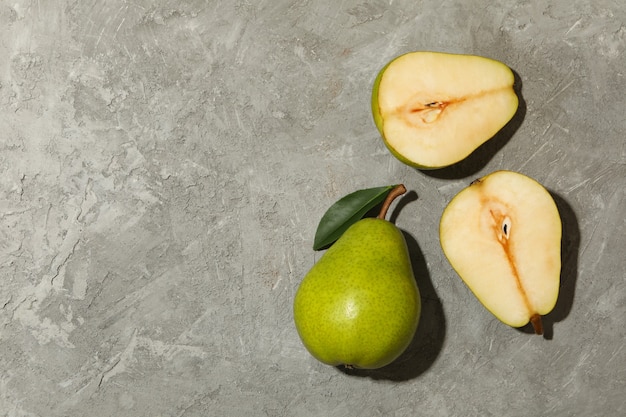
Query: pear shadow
{"points": [[570, 246], [429, 337], [485, 152], [402, 202]]}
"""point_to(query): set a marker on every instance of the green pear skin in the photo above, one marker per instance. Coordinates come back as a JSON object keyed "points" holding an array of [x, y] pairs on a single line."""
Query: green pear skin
{"points": [[359, 305]]}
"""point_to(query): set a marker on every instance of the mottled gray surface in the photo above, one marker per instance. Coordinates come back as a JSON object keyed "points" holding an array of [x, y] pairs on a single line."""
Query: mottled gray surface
{"points": [[164, 165]]}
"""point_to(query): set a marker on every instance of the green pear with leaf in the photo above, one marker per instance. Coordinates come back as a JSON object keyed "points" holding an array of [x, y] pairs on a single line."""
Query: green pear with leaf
{"points": [[359, 305]]}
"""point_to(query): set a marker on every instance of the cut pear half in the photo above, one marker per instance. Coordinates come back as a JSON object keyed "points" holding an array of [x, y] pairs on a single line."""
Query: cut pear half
{"points": [[502, 235], [434, 109]]}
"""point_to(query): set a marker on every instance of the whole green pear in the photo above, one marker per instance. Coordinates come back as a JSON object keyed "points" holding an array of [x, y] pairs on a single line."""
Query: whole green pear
{"points": [[359, 305]]}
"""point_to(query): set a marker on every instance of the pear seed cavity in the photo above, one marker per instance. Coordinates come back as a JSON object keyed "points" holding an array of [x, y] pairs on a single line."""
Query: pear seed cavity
{"points": [[506, 227]]}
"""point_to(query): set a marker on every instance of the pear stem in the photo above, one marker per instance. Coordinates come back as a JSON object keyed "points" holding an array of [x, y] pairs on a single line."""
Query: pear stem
{"points": [[535, 320], [396, 191]]}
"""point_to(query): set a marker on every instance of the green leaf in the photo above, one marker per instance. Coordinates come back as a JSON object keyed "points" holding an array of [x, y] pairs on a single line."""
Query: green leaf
{"points": [[345, 212]]}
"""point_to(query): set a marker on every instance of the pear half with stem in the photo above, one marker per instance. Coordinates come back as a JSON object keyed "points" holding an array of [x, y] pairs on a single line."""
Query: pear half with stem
{"points": [[502, 235], [434, 109]]}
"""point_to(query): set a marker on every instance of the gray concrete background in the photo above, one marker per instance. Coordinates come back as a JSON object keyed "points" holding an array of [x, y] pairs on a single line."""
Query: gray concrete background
{"points": [[164, 165]]}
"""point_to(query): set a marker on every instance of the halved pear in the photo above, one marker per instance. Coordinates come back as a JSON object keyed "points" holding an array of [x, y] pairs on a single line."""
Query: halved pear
{"points": [[502, 235], [434, 109]]}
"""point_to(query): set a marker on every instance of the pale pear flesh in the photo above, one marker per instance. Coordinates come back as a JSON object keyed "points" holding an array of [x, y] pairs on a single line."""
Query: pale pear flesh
{"points": [[434, 109], [359, 305], [502, 235]]}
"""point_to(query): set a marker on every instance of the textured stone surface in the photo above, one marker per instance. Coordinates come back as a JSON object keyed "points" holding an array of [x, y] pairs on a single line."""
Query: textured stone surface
{"points": [[164, 165]]}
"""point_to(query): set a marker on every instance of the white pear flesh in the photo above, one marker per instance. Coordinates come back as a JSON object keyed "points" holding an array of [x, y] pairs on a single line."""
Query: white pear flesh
{"points": [[433, 109], [502, 235]]}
